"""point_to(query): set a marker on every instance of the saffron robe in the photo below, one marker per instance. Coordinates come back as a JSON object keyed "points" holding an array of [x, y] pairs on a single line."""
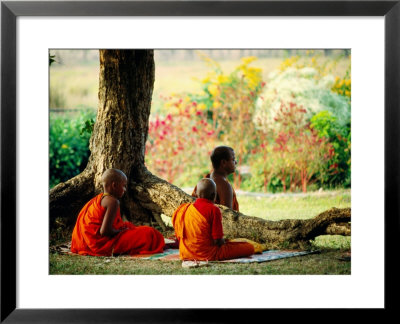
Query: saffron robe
{"points": [[235, 203], [86, 238], [193, 231]]}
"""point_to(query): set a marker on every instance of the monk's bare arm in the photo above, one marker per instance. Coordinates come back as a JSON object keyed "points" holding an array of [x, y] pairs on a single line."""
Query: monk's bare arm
{"points": [[111, 204], [225, 193]]}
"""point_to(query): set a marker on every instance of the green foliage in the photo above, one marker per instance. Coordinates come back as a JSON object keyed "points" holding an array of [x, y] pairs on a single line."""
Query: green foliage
{"points": [[69, 145], [87, 129], [339, 165]]}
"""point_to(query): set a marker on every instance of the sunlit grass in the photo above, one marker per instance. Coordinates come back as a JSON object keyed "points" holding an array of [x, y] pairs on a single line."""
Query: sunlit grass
{"points": [[326, 262], [296, 206]]}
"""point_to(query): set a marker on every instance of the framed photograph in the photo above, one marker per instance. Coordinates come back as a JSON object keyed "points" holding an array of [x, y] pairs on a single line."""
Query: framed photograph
{"points": [[29, 29]]}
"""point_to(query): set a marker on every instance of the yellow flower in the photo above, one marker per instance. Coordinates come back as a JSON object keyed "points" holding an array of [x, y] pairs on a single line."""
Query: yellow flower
{"points": [[348, 82], [64, 146], [201, 106], [213, 89], [223, 79], [249, 59], [347, 93], [217, 104], [206, 80]]}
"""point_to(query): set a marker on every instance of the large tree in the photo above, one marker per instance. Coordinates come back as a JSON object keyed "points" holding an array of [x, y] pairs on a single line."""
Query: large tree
{"points": [[118, 141]]}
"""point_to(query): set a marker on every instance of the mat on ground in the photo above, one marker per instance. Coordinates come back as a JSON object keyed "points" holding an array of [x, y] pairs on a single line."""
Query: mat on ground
{"points": [[173, 255]]}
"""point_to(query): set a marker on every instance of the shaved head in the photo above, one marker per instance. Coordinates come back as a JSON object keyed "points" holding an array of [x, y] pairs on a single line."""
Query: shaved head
{"points": [[220, 153], [112, 175], [206, 188]]}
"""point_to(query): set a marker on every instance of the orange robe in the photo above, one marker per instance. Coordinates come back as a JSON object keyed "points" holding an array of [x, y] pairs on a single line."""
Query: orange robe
{"points": [[235, 203], [195, 240], [86, 238]]}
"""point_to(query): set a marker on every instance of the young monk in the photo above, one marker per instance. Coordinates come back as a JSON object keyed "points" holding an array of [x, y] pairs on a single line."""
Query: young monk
{"points": [[100, 231], [224, 163], [198, 227]]}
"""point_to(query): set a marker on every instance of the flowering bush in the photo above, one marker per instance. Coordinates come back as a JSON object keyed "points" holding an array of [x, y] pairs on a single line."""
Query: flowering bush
{"points": [[229, 102], [292, 131], [306, 85], [295, 153], [324, 123], [221, 115], [179, 142], [305, 88]]}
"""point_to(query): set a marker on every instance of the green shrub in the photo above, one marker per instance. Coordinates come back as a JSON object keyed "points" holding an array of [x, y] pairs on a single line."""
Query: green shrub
{"points": [[326, 124], [69, 145]]}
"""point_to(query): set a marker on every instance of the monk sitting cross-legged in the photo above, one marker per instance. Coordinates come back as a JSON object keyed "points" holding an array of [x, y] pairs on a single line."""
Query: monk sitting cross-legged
{"points": [[198, 227], [100, 230]]}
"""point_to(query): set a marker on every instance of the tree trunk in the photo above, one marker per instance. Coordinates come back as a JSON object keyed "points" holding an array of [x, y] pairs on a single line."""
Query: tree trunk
{"points": [[118, 141]]}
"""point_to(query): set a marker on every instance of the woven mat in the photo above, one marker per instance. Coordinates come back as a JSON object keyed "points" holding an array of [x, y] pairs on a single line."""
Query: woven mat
{"points": [[173, 255]]}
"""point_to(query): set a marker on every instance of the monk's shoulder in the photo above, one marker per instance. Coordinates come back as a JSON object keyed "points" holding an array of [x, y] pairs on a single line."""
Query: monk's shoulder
{"points": [[223, 185], [109, 202]]}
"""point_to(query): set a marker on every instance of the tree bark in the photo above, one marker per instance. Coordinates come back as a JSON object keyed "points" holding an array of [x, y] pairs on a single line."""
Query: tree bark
{"points": [[118, 141]]}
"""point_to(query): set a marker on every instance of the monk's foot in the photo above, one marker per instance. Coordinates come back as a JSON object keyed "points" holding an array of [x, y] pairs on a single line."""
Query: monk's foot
{"points": [[194, 264]]}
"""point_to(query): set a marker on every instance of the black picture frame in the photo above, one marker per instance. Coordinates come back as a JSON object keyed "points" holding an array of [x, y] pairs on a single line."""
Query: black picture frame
{"points": [[10, 10]]}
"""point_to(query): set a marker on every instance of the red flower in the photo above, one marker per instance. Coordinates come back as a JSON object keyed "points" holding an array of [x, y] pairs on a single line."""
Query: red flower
{"points": [[194, 129]]}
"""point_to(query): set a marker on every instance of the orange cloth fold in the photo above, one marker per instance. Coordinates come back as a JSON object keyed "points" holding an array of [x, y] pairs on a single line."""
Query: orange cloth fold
{"points": [[195, 240], [86, 238], [235, 203]]}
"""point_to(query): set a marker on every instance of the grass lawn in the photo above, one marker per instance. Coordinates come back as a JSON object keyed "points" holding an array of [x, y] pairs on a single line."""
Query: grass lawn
{"points": [[327, 262], [273, 207]]}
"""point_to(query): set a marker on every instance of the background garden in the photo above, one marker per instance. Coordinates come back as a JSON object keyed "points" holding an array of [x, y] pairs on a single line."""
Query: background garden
{"points": [[286, 114]]}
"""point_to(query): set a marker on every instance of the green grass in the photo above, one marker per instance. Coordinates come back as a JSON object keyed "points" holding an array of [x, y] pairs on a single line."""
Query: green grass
{"points": [[277, 207], [326, 262], [293, 206]]}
